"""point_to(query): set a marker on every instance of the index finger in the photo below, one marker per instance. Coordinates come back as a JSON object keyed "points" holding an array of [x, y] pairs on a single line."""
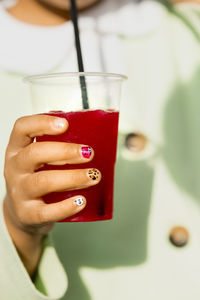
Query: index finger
{"points": [[26, 128]]}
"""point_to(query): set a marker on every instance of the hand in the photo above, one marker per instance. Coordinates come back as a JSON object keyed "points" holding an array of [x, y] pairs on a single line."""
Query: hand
{"points": [[27, 217]]}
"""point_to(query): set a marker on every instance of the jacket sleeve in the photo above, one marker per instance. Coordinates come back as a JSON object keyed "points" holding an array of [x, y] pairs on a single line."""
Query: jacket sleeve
{"points": [[50, 281]]}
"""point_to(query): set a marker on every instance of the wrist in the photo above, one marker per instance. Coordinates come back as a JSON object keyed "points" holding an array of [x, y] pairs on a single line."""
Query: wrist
{"points": [[28, 244]]}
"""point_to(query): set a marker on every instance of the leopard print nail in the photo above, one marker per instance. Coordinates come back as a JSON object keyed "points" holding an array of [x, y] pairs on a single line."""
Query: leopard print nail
{"points": [[93, 174]]}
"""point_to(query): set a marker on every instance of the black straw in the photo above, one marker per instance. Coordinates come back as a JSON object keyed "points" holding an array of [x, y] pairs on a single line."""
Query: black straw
{"points": [[74, 16]]}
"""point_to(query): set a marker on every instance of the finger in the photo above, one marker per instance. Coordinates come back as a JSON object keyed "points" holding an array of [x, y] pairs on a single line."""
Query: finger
{"points": [[45, 182], [46, 213], [34, 155], [26, 128]]}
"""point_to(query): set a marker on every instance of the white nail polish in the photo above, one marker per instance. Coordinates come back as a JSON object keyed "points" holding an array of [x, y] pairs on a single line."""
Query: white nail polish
{"points": [[60, 123], [79, 201]]}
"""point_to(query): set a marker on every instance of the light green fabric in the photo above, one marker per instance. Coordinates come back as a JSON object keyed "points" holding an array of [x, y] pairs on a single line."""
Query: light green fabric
{"points": [[130, 257], [15, 283], [50, 278]]}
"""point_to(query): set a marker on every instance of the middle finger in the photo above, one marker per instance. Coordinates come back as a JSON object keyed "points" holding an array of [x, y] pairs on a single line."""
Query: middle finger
{"points": [[45, 182]]}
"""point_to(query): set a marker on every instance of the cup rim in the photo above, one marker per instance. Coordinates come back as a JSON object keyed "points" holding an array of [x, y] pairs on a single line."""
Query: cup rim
{"points": [[112, 76]]}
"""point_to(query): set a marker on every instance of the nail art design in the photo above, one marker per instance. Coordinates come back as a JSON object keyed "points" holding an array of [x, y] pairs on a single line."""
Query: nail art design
{"points": [[79, 201], [93, 174], [86, 151]]}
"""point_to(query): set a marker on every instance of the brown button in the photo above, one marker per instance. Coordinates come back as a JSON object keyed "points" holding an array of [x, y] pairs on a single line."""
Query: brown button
{"points": [[179, 236], [135, 142]]}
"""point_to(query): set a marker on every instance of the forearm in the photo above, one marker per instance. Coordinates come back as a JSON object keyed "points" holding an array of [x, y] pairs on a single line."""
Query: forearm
{"points": [[28, 245]]}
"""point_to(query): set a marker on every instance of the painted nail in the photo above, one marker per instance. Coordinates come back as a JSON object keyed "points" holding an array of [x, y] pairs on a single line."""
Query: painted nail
{"points": [[60, 123], [86, 151], [79, 201], [93, 174]]}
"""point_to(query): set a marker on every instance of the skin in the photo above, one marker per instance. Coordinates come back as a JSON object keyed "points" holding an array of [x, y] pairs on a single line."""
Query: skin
{"points": [[65, 5], [46, 12]]}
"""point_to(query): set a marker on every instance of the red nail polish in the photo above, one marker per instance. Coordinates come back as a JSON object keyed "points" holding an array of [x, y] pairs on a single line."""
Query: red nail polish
{"points": [[86, 151]]}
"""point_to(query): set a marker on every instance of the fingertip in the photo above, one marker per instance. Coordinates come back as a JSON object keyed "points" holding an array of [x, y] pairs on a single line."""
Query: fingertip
{"points": [[79, 202], [94, 175], [60, 124], [87, 152]]}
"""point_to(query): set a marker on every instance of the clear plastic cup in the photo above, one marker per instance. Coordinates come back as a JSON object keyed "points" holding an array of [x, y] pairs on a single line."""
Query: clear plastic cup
{"points": [[60, 95]]}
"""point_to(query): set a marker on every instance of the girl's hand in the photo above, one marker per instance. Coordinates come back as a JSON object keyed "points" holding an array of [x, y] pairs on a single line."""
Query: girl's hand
{"points": [[27, 217]]}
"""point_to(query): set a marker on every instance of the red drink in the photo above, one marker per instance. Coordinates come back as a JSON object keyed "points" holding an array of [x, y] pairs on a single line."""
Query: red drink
{"points": [[98, 129]]}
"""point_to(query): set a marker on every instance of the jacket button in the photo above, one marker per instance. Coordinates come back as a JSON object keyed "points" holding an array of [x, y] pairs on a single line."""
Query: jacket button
{"points": [[135, 142], [179, 236]]}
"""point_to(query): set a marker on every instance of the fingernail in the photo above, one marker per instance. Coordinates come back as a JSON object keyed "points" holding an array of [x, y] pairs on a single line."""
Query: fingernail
{"points": [[93, 174], [79, 201], [86, 151], [60, 123]]}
